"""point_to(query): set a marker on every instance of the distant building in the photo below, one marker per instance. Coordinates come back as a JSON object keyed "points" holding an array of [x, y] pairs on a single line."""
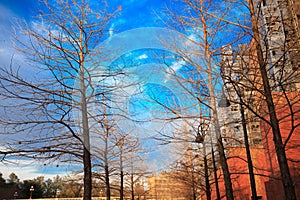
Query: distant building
{"points": [[167, 186], [280, 25]]}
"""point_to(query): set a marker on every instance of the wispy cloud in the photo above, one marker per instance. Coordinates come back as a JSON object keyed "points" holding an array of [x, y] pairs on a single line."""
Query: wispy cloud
{"points": [[26, 169], [111, 30], [7, 51], [173, 69]]}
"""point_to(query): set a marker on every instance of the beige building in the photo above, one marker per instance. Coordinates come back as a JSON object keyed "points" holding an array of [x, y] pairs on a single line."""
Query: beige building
{"points": [[280, 27], [165, 186]]}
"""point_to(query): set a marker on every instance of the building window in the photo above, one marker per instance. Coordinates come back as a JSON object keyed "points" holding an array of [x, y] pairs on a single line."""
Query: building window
{"points": [[251, 100], [255, 127], [237, 129], [256, 141], [234, 108]]}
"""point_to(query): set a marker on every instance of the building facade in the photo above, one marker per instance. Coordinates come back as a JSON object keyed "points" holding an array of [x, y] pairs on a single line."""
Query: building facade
{"points": [[280, 38], [167, 186], [279, 23]]}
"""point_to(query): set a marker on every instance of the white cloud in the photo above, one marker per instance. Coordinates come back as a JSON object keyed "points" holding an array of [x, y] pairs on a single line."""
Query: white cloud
{"points": [[192, 37], [177, 65], [143, 56], [111, 30], [26, 169], [116, 23], [174, 68]]}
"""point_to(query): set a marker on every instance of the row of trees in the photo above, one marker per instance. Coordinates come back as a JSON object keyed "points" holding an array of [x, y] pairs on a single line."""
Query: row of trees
{"points": [[14, 188], [70, 186], [65, 187], [67, 112]]}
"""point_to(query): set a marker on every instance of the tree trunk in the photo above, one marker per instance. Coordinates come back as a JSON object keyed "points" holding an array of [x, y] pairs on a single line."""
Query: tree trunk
{"points": [[215, 122], [106, 168], [207, 185], [215, 173], [194, 186], [87, 175], [132, 187], [288, 185], [215, 119], [122, 186], [87, 167], [122, 176], [225, 169], [248, 153], [107, 184]]}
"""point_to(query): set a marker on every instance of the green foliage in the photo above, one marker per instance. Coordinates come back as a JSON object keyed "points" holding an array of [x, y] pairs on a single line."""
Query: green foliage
{"points": [[37, 185], [42, 188], [13, 179], [2, 180], [52, 187]]}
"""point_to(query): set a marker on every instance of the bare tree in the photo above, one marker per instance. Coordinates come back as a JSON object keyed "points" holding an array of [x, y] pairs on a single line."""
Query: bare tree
{"points": [[274, 122], [58, 50], [205, 32], [105, 153], [267, 77], [135, 169], [275, 58], [130, 167], [125, 146]]}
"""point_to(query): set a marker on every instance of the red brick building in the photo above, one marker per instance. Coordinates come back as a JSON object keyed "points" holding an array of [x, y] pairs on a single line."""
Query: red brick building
{"points": [[268, 181], [289, 117]]}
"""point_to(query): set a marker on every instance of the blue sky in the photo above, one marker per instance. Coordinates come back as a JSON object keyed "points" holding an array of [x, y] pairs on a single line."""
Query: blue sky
{"points": [[134, 14], [24, 9]]}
